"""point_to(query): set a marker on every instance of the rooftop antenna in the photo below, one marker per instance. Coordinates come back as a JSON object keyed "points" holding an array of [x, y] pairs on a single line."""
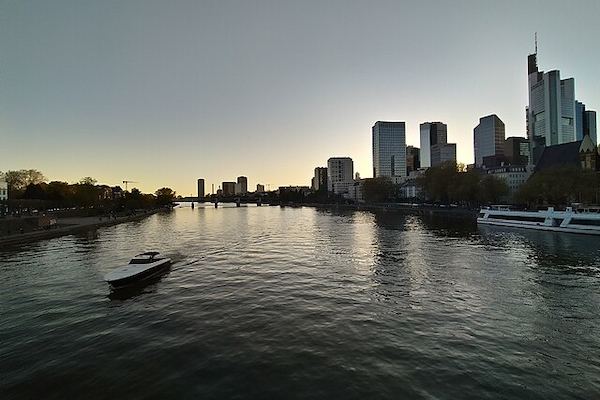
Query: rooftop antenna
{"points": [[536, 43]]}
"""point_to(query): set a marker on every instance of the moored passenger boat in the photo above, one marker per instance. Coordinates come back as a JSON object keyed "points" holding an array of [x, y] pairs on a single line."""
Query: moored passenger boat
{"points": [[585, 221]]}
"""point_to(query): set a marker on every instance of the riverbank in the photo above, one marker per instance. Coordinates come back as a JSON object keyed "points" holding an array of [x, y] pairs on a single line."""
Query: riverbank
{"points": [[402, 208], [71, 225]]}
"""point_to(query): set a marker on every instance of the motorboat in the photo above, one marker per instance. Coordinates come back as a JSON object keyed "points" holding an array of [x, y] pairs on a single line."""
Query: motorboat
{"points": [[142, 266], [586, 221]]}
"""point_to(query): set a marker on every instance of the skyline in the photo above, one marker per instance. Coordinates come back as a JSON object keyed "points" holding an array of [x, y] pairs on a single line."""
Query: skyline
{"points": [[165, 94]]}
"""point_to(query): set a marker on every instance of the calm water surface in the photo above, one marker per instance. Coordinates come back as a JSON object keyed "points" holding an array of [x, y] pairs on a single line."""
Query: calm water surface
{"points": [[263, 302]]}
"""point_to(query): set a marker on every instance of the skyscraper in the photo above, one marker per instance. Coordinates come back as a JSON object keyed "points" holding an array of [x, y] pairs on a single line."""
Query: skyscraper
{"points": [[551, 110], [488, 138], [389, 149], [340, 174], [589, 125], [228, 188], [200, 188], [413, 159], [435, 148], [516, 150], [432, 133], [319, 181], [241, 187]]}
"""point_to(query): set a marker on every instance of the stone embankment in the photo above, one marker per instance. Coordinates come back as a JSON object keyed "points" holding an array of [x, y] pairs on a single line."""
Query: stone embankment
{"points": [[26, 229]]}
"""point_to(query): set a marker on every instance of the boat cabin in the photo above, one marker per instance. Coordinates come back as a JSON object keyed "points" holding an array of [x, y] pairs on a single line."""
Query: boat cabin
{"points": [[145, 258]]}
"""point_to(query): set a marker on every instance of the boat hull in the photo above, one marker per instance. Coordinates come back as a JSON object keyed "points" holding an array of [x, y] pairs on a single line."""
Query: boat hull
{"points": [[538, 227], [130, 275]]}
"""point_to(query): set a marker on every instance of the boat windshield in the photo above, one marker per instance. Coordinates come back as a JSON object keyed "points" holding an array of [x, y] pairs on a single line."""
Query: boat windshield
{"points": [[142, 259]]}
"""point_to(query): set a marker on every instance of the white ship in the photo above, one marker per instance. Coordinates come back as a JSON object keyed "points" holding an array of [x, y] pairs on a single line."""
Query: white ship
{"points": [[586, 221]]}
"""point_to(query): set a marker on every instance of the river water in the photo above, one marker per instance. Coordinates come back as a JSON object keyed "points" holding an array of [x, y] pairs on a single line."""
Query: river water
{"points": [[269, 302]]}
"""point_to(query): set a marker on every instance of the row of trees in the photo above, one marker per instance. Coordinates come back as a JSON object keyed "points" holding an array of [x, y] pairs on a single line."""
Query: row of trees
{"points": [[560, 186], [30, 186], [449, 183]]}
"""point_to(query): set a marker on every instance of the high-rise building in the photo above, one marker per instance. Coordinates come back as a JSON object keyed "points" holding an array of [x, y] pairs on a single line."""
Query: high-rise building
{"points": [[551, 111], [585, 122], [441, 153], [516, 150], [200, 188], [389, 149], [413, 159], [241, 186], [340, 174], [488, 138], [435, 148], [228, 188], [260, 188], [432, 133], [319, 181], [589, 125]]}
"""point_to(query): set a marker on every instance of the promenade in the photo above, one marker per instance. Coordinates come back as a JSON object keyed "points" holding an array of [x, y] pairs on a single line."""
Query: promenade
{"points": [[70, 225]]}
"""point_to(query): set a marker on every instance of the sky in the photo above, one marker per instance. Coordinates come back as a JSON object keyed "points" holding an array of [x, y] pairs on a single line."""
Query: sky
{"points": [[165, 92]]}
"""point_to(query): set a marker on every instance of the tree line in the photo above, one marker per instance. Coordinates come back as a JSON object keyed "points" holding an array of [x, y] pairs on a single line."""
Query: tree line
{"points": [[27, 187]]}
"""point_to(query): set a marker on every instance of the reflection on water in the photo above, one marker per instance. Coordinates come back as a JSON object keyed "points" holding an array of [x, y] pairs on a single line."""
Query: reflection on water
{"points": [[265, 302], [147, 285]]}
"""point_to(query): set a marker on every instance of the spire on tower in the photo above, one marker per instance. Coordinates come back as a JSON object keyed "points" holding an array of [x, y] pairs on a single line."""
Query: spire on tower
{"points": [[535, 43]]}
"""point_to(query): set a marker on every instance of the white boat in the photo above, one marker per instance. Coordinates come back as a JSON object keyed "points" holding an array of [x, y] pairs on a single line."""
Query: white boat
{"points": [[586, 221], [142, 266]]}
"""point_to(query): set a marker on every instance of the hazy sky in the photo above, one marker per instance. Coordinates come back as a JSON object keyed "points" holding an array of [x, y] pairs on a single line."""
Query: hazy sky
{"points": [[164, 92]]}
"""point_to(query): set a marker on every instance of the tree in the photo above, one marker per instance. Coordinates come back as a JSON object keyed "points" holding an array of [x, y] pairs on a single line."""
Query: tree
{"points": [[164, 196], [18, 180], [492, 189], [376, 190], [88, 181]]}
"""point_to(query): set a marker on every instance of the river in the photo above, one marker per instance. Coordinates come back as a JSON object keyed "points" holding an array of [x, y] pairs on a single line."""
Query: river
{"points": [[269, 302]]}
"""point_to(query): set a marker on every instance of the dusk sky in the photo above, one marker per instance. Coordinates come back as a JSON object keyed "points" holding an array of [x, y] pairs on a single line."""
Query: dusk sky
{"points": [[165, 92]]}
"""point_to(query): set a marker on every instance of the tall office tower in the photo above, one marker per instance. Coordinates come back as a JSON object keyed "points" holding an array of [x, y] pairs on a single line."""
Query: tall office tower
{"points": [[589, 125], [551, 110], [579, 117], [488, 138], [340, 174], [228, 188], [319, 181], [413, 159], [241, 186], [432, 133], [200, 188], [441, 153], [389, 149], [516, 150]]}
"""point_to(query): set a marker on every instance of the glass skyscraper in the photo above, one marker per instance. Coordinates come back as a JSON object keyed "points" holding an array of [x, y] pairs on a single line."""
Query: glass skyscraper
{"points": [[389, 149]]}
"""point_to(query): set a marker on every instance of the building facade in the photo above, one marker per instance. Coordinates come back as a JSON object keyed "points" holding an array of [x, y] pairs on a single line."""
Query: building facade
{"points": [[585, 122], [516, 150], [241, 187], [435, 148], [389, 149], [260, 188], [340, 174], [413, 159], [3, 190], [551, 111], [513, 175], [228, 188], [431, 134], [319, 180], [488, 138], [201, 193]]}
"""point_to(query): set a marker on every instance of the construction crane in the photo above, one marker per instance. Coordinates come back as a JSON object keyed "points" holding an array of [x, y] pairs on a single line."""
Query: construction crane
{"points": [[127, 182]]}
